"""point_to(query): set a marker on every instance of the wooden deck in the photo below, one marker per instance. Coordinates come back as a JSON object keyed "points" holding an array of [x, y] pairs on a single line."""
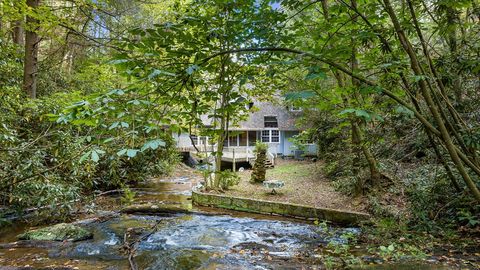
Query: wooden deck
{"points": [[240, 154], [230, 154]]}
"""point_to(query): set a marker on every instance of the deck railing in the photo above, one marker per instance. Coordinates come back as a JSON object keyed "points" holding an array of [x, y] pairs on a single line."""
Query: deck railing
{"points": [[271, 157]]}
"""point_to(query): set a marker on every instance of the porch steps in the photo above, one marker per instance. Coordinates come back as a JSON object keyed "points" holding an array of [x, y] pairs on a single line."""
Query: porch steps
{"points": [[269, 164]]}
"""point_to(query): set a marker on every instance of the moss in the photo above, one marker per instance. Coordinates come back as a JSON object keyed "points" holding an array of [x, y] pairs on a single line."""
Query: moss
{"points": [[284, 209], [58, 232]]}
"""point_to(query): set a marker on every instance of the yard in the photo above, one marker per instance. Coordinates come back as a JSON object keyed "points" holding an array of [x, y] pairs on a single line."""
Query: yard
{"points": [[305, 184]]}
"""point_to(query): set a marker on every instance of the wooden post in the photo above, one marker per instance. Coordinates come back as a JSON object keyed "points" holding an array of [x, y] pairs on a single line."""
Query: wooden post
{"points": [[234, 165]]}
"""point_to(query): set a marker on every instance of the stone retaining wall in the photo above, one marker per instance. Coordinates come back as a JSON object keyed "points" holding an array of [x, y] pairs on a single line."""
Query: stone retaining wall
{"points": [[277, 208]]}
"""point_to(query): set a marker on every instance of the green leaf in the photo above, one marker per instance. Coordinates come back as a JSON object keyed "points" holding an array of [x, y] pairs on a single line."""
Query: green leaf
{"points": [[347, 111], [157, 72], [316, 72], [417, 78], [132, 152], [192, 69], [359, 113], [122, 152], [364, 114], [312, 76], [108, 140], [299, 95], [134, 102], [114, 125], [84, 156], [365, 90], [95, 156], [153, 144]]}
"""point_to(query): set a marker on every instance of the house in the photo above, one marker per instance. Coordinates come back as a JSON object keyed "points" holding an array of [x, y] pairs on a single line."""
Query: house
{"points": [[271, 123]]}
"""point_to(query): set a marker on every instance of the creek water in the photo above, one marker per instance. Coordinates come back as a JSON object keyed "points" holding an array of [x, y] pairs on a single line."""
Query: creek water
{"points": [[204, 240]]}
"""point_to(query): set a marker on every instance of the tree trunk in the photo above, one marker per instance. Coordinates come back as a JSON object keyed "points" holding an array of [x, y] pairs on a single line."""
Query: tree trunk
{"points": [[375, 175], [31, 53], [452, 18], [18, 34], [218, 155], [427, 95]]}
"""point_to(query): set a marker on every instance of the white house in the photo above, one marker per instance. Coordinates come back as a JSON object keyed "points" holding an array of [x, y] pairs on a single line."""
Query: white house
{"points": [[271, 123]]}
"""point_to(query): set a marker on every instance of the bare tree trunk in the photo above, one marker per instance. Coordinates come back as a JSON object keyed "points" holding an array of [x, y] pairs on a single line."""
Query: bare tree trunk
{"points": [[18, 34], [223, 134], [452, 18], [375, 175], [31, 53], [358, 126]]}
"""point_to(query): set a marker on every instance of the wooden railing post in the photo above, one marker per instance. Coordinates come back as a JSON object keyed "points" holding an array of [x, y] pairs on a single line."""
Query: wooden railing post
{"points": [[234, 164]]}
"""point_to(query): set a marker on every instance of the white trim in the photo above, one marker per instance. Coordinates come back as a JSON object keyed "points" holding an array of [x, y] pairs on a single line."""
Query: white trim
{"points": [[270, 135]]}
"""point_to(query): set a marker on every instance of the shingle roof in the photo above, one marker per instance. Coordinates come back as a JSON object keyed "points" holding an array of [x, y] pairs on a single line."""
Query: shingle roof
{"points": [[286, 119]]}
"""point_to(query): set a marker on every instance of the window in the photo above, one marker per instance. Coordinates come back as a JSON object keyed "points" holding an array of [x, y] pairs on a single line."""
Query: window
{"points": [[265, 135], [275, 136], [270, 122], [270, 136], [252, 138], [233, 140], [201, 140]]}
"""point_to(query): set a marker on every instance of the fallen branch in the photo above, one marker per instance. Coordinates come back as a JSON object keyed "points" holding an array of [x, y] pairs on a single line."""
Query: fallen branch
{"points": [[131, 248]]}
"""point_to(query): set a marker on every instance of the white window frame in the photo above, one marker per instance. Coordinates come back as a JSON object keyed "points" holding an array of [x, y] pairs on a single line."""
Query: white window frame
{"points": [[270, 135], [198, 140]]}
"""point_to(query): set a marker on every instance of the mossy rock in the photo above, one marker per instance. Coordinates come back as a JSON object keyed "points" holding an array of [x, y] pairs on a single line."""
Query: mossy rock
{"points": [[58, 232]]}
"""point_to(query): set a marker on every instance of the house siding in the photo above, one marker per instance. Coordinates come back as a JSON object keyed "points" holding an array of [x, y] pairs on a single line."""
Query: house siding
{"points": [[256, 123], [183, 140], [284, 147], [288, 148], [288, 145]]}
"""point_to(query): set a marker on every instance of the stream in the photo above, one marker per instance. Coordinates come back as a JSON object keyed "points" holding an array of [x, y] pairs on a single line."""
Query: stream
{"points": [[208, 239]]}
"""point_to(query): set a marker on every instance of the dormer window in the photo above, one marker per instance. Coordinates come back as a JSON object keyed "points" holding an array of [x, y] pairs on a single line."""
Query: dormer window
{"points": [[270, 122]]}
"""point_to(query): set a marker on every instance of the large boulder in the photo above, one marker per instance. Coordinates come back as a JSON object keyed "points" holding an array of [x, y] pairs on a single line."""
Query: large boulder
{"points": [[58, 232]]}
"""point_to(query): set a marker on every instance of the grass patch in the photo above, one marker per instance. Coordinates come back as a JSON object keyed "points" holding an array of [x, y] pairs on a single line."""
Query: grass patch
{"points": [[305, 184]]}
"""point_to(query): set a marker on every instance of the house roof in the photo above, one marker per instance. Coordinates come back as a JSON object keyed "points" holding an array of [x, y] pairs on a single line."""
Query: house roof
{"points": [[286, 119]]}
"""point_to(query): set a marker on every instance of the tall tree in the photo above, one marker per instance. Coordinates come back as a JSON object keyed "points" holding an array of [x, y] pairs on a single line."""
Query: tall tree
{"points": [[18, 34], [31, 51]]}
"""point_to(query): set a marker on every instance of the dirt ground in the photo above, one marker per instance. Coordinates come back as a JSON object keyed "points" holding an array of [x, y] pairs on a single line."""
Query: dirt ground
{"points": [[305, 184]]}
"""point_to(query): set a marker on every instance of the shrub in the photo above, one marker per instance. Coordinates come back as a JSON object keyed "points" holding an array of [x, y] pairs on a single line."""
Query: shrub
{"points": [[259, 169], [49, 166], [228, 179]]}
